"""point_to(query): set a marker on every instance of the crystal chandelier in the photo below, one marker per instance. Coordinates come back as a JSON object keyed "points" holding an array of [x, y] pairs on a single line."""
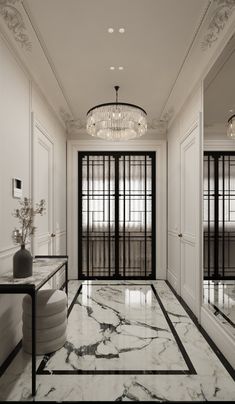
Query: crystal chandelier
{"points": [[116, 121], [231, 127]]}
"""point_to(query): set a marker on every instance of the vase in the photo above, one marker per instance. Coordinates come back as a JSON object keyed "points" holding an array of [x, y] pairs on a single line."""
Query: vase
{"points": [[22, 263]]}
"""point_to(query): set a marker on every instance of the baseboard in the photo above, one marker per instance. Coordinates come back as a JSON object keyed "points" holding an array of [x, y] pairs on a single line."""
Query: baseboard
{"points": [[172, 279], [222, 339]]}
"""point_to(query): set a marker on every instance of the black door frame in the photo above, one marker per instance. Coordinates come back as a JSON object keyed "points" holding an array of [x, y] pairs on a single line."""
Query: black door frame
{"points": [[116, 154], [216, 273]]}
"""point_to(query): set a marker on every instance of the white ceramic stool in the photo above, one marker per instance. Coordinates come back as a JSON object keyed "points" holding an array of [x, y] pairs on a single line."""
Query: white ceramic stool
{"points": [[51, 321]]}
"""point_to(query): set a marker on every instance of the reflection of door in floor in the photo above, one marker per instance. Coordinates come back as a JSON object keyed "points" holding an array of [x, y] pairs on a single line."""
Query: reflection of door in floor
{"points": [[43, 189], [219, 215], [116, 215]]}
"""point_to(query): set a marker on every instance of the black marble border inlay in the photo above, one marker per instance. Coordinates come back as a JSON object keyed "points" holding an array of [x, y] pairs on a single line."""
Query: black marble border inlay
{"points": [[191, 370], [208, 339]]}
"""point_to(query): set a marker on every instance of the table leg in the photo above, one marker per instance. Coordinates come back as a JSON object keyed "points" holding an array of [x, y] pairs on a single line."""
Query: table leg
{"points": [[66, 278], [33, 297]]}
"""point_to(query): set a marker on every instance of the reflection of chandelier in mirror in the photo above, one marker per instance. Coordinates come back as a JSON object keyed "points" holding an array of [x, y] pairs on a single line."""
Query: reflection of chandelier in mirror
{"points": [[116, 120], [231, 127]]}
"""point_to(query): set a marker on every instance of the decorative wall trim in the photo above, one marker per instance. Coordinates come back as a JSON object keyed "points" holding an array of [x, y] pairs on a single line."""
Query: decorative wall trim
{"points": [[219, 145], [173, 233], [15, 23], [73, 126], [218, 21], [7, 250], [10, 250], [160, 125]]}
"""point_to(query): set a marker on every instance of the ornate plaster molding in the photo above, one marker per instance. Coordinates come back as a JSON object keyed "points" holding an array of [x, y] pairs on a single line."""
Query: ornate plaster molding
{"points": [[15, 23], [222, 12], [72, 125], [158, 124]]}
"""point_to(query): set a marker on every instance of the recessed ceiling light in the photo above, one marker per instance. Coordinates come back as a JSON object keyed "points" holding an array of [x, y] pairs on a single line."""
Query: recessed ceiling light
{"points": [[231, 110], [110, 30], [121, 68], [121, 30], [112, 68]]}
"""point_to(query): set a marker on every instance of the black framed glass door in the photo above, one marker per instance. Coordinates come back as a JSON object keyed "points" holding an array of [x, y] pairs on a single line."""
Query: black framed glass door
{"points": [[219, 215], [116, 203]]}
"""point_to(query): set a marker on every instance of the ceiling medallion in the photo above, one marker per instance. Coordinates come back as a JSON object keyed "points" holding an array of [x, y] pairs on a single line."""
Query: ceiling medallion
{"points": [[231, 127], [116, 121]]}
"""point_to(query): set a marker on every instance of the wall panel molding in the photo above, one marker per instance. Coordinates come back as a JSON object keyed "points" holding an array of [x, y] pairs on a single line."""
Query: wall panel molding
{"points": [[219, 145]]}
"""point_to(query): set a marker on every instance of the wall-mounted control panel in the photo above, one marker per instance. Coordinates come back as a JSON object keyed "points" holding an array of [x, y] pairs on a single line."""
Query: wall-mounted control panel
{"points": [[16, 188]]}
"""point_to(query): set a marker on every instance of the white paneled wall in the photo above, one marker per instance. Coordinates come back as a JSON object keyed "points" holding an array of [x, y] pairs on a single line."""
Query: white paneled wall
{"points": [[19, 98], [177, 131]]}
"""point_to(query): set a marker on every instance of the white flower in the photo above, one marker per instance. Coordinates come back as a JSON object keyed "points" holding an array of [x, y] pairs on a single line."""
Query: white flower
{"points": [[25, 216]]}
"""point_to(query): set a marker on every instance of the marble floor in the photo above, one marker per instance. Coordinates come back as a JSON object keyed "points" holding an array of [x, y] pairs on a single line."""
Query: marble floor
{"points": [[219, 298], [126, 341]]}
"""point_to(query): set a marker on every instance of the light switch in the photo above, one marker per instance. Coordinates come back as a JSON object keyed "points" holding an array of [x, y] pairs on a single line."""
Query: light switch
{"points": [[16, 188]]}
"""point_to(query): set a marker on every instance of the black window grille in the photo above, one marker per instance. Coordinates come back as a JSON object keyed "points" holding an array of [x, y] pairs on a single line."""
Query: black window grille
{"points": [[116, 236]]}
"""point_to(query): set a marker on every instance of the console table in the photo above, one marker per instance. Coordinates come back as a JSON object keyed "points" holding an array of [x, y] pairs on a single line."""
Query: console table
{"points": [[44, 268]]}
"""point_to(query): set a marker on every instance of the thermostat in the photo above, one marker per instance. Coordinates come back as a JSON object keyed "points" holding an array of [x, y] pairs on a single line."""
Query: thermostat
{"points": [[16, 188]]}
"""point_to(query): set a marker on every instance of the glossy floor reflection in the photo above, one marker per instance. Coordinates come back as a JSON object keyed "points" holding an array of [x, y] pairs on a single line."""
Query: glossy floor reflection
{"points": [[219, 298], [119, 328], [110, 325]]}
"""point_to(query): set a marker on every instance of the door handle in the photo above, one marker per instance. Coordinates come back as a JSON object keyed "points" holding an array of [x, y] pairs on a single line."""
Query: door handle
{"points": [[52, 234], [180, 235]]}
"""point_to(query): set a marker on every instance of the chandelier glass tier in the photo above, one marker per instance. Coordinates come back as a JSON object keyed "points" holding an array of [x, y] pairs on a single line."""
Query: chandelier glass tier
{"points": [[116, 121], [231, 127]]}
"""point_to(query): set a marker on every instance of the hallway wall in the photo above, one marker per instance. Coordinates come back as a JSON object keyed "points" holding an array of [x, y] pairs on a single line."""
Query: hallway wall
{"points": [[19, 98], [190, 111], [181, 125]]}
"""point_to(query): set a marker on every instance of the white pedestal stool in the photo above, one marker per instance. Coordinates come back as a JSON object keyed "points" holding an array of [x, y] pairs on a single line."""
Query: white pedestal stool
{"points": [[51, 321]]}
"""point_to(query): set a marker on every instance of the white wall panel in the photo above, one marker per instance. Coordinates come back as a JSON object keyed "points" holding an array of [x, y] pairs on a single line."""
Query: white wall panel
{"points": [[177, 132], [16, 104], [14, 162]]}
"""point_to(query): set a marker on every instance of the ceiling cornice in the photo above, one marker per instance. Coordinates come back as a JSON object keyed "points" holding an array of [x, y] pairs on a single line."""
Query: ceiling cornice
{"points": [[46, 52], [25, 41], [74, 127], [15, 22], [215, 26], [218, 20], [204, 13]]}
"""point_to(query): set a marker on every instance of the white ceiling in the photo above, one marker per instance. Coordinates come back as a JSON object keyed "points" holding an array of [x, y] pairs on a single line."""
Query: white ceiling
{"points": [[157, 38]]}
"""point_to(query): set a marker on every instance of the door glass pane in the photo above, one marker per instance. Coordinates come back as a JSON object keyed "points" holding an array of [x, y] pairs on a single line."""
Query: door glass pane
{"points": [[116, 203], [135, 215], [98, 216]]}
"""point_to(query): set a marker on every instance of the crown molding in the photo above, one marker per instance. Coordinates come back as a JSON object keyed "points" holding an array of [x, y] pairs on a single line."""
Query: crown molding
{"points": [[218, 20], [14, 20], [23, 39], [76, 127], [215, 29], [216, 128], [219, 144]]}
